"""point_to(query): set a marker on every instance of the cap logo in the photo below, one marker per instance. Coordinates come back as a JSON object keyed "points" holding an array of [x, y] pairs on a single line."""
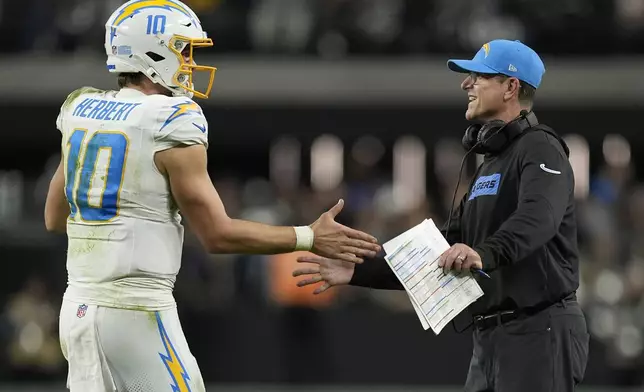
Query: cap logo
{"points": [[512, 68], [486, 48]]}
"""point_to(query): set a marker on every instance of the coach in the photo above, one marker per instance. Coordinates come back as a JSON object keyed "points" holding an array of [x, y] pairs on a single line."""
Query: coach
{"points": [[516, 223]]}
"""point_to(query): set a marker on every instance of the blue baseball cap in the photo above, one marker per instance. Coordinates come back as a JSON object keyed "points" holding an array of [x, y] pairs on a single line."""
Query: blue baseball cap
{"points": [[501, 56]]}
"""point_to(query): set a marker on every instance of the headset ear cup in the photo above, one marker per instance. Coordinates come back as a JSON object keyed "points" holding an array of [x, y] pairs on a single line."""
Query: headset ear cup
{"points": [[470, 137], [480, 137], [491, 137]]}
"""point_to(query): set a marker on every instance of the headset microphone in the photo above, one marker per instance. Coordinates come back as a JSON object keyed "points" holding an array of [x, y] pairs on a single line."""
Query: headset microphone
{"points": [[458, 183]]}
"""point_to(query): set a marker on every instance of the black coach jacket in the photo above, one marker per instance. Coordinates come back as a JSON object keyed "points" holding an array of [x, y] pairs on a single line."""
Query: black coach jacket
{"points": [[519, 215]]}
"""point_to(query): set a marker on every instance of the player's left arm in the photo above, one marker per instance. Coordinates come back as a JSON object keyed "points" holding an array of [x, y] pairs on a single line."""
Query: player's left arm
{"points": [[56, 206], [546, 186]]}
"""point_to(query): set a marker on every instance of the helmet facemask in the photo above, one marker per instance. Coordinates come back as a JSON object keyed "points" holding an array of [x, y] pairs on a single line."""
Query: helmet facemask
{"points": [[183, 78]]}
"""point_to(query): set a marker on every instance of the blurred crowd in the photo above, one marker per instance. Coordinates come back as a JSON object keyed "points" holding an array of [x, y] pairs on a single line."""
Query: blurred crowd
{"points": [[335, 28]]}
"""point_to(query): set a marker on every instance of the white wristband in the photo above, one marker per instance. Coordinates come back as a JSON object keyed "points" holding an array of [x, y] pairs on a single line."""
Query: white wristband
{"points": [[304, 238]]}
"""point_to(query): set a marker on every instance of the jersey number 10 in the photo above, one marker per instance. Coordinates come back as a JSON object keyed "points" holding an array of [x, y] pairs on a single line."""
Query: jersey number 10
{"points": [[93, 185]]}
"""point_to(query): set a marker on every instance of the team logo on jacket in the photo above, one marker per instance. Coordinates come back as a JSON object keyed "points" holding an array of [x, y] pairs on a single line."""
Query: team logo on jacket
{"points": [[485, 186], [82, 309]]}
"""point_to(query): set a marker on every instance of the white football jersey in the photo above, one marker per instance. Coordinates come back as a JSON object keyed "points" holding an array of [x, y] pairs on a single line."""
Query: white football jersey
{"points": [[125, 236]]}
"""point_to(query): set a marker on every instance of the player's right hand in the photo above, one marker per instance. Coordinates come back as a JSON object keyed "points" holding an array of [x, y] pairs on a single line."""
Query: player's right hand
{"points": [[331, 272], [337, 241]]}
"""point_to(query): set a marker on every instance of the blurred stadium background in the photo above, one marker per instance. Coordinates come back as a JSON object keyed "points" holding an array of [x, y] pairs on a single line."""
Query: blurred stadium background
{"points": [[316, 100]]}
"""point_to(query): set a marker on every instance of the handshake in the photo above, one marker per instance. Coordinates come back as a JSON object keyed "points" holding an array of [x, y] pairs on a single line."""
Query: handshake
{"points": [[340, 248]]}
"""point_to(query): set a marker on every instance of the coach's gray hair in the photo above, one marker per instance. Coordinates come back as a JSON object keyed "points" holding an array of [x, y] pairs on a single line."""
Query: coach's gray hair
{"points": [[526, 92]]}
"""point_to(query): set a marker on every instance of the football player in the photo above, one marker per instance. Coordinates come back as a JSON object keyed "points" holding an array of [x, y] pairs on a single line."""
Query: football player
{"points": [[131, 159]]}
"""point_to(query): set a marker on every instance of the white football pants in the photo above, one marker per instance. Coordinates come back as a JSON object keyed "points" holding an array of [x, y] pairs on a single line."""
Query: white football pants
{"points": [[120, 350]]}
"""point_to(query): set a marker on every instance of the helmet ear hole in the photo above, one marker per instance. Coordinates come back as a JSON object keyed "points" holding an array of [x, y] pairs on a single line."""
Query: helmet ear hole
{"points": [[155, 56], [183, 78]]}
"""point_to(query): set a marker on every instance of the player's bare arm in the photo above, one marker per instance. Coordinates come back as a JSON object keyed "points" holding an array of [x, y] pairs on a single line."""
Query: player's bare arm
{"points": [[56, 206], [198, 200]]}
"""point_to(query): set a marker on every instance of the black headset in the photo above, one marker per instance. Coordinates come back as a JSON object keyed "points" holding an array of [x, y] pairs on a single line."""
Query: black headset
{"points": [[494, 136]]}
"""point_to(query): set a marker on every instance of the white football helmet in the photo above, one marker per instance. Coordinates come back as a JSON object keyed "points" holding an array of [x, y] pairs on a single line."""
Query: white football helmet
{"points": [[150, 36]]}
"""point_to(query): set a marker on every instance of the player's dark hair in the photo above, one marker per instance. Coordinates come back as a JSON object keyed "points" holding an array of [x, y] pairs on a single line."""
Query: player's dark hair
{"points": [[130, 78]]}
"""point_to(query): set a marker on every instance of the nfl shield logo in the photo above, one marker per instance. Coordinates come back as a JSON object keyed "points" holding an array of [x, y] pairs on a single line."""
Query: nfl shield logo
{"points": [[81, 311]]}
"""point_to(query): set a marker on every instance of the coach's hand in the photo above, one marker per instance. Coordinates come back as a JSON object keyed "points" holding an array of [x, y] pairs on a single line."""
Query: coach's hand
{"points": [[337, 241], [331, 272], [460, 257]]}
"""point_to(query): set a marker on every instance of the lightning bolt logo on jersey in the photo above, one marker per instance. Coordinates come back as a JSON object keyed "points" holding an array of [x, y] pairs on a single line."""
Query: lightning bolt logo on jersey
{"points": [[182, 109], [172, 361]]}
